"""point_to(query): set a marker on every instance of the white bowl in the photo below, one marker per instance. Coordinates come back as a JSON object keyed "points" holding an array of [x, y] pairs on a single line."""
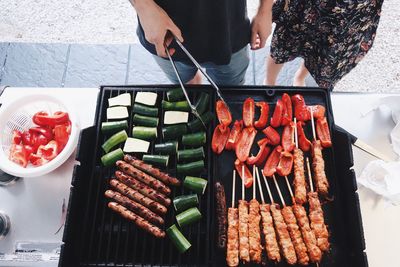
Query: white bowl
{"points": [[18, 116]]}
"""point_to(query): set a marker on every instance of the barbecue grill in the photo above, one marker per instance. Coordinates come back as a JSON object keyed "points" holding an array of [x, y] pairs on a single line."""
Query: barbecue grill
{"points": [[95, 236]]}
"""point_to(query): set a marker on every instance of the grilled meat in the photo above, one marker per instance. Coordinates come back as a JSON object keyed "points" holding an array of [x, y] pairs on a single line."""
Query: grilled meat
{"points": [[271, 244], [317, 222], [232, 247], [299, 181], [221, 214], [244, 249], [254, 231], [318, 165]]}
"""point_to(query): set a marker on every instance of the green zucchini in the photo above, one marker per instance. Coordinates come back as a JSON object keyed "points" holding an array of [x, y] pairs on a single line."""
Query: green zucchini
{"points": [[114, 140], [144, 133], [178, 239], [114, 126], [172, 132], [196, 184], [191, 154], [190, 168], [145, 110], [196, 124], [184, 202], [145, 120], [157, 160], [188, 217], [175, 95], [175, 106], [168, 148], [202, 103], [111, 157], [194, 139]]}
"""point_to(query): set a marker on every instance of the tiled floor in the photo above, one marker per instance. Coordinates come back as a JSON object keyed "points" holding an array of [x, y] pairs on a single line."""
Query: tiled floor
{"points": [[76, 65]]}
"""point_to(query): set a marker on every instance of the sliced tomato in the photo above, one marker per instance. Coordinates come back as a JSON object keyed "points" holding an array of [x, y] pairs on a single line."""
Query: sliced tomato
{"points": [[272, 135], [49, 151], [272, 162], [285, 164], [16, 137], [61, 135], [18, 155], [261, 157], [276, 118], [223, 114], [219, 139], [318, 111], [45, 131], [234, 135], [37, 160], [301, 111], [248, 112], [304, 143], [288, 143], [245, 142], [248, 177], [42, 118], [323, 132], [287, 114], [264, 112]]}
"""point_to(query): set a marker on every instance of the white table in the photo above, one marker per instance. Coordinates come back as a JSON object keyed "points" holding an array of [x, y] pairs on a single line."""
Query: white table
{"points": [[45, 195]]}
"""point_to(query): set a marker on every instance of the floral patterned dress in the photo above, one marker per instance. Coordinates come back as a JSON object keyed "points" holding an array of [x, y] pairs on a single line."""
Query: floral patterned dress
{"points": [[332, 36]]}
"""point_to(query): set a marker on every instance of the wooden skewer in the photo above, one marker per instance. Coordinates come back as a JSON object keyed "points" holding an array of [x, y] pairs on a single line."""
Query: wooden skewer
{"points": [[296, 137], [254, 182], [243, 192], [259, 186], [233, 188], [309, 175], [312, 124], [279, 191], [290, 189], [268, 189]]}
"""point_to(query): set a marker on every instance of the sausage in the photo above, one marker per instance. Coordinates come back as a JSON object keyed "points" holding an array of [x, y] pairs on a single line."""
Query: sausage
{"points": [[232, 247], [271, 244], [295, 235], [221, 214], [244, 253], [139, 221], [138, 197], [318, 164], [254, 231], [299, 182], [142, 188], [135, 207], [143, 177], [149, 169], [314, 252], [317, 222]]}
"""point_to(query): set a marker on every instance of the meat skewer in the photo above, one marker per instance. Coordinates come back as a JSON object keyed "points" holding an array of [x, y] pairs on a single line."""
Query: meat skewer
{"points": [[244, 252], [254, 225], [271, 244], [221, 214], [318, 164], [294, 231], [138, 197], [314, 252], [282, 230], [317, 216], [232, 247], [299, 181]]}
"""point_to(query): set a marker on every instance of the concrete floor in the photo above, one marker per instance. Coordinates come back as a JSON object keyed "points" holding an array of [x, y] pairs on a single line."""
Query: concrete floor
{"points": [[110, 21]]}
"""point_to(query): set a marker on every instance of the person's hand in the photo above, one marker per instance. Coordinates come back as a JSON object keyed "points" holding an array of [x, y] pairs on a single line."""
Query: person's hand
{"points": [[261, 26], [157, 26]]}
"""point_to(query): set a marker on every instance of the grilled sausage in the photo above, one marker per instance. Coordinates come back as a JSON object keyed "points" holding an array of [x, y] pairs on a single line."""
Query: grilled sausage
{"points": [[254, 231], [271, 244], [137, 208], [138, 197], [295, 235], [318, 165], [308, 235], [244, 252], [142, 188], [221, 214], [143, 177], [299, 182], [139, 221], [232, 247], [283, 235], [149, 169], [317, 222]]}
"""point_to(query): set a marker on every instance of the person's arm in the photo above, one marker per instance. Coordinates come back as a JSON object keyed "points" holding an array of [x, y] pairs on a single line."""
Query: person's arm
{"points": [[261, 25], [156, 23]]}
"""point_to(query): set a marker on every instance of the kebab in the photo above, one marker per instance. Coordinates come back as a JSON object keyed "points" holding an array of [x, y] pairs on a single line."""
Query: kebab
{"points": [[232, 247], [244, 252], [299, 181], [271, 244], [317, 216], [294, 231], [254, 226]]}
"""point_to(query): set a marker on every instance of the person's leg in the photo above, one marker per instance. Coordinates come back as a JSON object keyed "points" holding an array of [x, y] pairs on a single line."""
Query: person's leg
{"points": [[186, 71], [197, 79], [272, 71], [232, 73], [300, 76]]}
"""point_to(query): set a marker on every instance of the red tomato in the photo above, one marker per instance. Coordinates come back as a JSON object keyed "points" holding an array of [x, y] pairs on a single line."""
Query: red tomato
{"points": [[288, 143], [264, 112], [223, 114], [272, 162], [303, 141], [323, 132], [42, 118], [285, 164], [234, 135], [219, 139], [261, 155], [301, 111], [276, 119], [248, 177], [61, 135], [18, 155], [248, 112], [49, 151], [272, 135], [16, 137], [245, 142], [287, 114]]}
